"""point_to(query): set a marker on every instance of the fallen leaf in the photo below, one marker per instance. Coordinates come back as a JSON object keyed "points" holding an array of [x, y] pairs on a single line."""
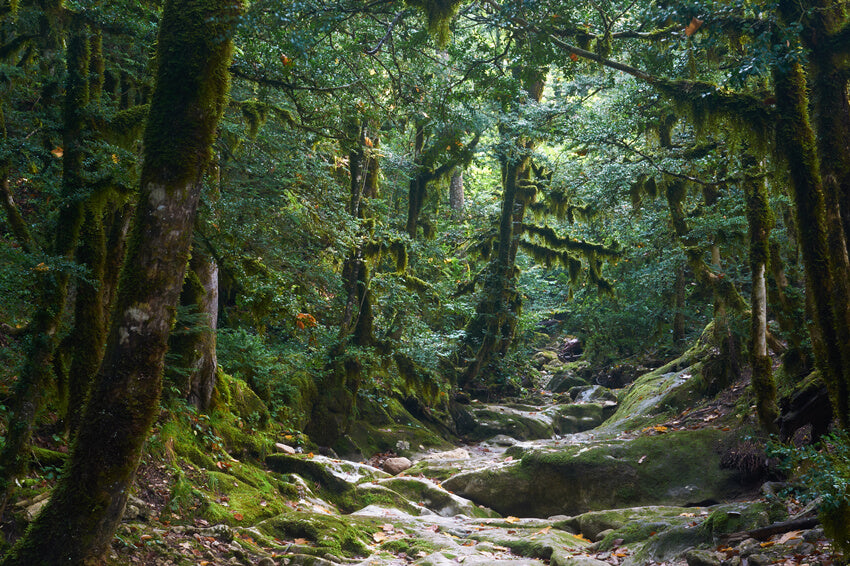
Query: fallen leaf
{"points": [[788, 536], [512, 520], [57, 152], [544, 530], [642, 458], [238, 516], [387, 528], [380, 536]]}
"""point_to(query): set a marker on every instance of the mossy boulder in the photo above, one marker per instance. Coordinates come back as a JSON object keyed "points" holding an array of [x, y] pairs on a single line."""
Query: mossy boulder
{"points": [[543, 357], [235, 394], [522, 423], [565, 380], [527, 537], [594, 523], [334, 475], [344, 537], [386, 425], [677, 468], [428, 494], [578, 417]]}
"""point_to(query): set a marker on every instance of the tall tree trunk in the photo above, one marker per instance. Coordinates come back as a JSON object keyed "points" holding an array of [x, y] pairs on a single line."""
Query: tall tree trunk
{"points": [[797, 143], [418, 184], [194, 349], [80, 519], [679, 305], [89, 316], [759, 219], [456, 194], [491, 330], [35, 374]]}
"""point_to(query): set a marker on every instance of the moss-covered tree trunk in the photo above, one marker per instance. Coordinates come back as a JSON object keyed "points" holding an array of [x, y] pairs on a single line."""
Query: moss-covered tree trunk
{"points": [[759, 219], [797, 142], [89, 334], [34, 377], [679, 298], [456, 193], [418, 185], [490, 327], [193, 349], [489, 333], [80, 519]]}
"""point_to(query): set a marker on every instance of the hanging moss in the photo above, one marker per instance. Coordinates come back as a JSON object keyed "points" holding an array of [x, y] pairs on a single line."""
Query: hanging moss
{"points": [[551, 239], [527, 190], [707, 103], [255, 114], [438, 14], [127, 125]]}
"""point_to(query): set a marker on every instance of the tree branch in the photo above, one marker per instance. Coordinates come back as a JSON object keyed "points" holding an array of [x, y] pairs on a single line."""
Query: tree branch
{"points": [[16, 219], [374, 50], [261, 78]]}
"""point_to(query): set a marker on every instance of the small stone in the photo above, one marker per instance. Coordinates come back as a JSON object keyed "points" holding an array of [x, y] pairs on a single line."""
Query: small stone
{"points": [[602, 534], [502, 440], [701, 558], [266, 562], [759, 560], [396, 465], [34, 509], [285, 448]]}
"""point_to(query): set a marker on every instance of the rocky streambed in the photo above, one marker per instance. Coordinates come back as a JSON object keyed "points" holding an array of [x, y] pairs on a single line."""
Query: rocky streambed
{"points": [[588, 478]]}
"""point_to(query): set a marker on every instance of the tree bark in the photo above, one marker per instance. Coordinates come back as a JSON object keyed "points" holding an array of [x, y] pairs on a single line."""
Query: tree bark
{"points": [[78, 523], [195, 348], [35, 374], [456, 194], [798, 145], [759, 219]]}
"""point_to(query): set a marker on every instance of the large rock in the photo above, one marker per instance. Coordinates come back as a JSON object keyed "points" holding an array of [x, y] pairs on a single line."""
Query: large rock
{"points": [[519, 423], [677, 468]]}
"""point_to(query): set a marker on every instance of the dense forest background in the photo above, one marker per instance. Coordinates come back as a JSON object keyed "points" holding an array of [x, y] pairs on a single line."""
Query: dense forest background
{"points": [[388, 201]]}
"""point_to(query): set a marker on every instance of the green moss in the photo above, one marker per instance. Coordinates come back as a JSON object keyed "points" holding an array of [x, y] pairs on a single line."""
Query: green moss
{"points": [[235, 502], [331, 534], [242, 401]]}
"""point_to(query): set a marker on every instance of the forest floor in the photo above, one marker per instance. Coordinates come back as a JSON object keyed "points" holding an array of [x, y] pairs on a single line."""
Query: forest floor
{"points": [[306, 509]]}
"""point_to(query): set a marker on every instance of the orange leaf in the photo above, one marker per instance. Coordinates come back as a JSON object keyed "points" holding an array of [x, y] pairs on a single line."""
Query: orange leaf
{"points": [[573, 57], [380, 536], [512, 520], [300, 541], [238, 516], [693, 26], [57, 152]]}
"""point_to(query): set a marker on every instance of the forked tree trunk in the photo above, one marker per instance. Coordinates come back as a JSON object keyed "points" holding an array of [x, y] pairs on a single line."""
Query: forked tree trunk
{"points": [[78, 523]]}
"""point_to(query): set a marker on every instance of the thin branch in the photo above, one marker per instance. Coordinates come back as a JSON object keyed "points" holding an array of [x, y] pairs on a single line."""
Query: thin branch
{"points": [[237, 71], [374, 50], [625, 145]]}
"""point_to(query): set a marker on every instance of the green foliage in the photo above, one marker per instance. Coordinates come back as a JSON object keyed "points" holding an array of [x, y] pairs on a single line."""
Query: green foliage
{"points": [[823, 473]]}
